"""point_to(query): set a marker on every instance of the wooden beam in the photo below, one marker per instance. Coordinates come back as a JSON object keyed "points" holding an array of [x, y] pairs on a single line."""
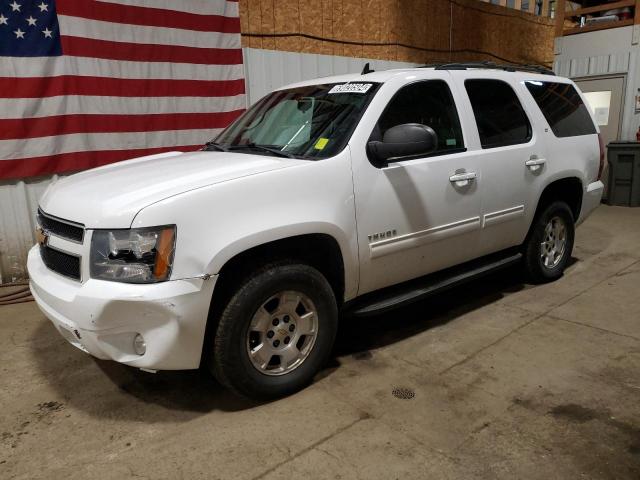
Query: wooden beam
{"points": [[532, 6], [517, 4], [603, 7], [598, 26], [560, 17], [545, 8]]}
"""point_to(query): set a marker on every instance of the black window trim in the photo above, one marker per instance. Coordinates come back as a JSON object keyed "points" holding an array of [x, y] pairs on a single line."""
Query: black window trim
{"points": [[524, 110], [461, 149]]}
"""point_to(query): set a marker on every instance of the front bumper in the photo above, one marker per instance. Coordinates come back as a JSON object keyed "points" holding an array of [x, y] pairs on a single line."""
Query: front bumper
{"points": [[591, 198], [102, 318]]}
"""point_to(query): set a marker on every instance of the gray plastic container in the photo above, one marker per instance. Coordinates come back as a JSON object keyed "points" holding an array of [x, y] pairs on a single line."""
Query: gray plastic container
{"points": [[624, 173]]}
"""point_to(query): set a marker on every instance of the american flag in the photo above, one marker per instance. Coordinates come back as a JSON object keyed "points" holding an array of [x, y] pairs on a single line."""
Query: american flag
{"points": [[85, 83]]}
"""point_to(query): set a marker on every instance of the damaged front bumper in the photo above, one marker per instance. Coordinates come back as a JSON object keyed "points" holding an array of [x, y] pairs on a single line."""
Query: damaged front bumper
{"points": [[103, 318]]}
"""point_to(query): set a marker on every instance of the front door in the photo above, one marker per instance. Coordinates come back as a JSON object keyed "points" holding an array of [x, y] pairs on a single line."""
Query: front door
{"points": [[417, 215]]}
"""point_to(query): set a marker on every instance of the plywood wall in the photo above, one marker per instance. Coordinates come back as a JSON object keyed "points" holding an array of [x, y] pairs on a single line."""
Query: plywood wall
{"points": [[403, 30]]}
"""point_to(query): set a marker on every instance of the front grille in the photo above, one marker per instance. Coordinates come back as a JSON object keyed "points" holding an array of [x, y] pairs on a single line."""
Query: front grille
{"points": [[60, 262], [61, 228]]}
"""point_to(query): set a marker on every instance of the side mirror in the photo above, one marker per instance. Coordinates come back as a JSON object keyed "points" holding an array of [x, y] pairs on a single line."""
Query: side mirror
{"points": [[406, 140]]}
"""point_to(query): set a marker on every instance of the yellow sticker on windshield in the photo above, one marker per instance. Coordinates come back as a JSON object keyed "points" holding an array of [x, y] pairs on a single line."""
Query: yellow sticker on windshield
{"points": [[321, 143]]}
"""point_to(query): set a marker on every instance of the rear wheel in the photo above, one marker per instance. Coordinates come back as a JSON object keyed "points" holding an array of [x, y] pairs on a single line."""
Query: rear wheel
{"points": [[276, 332], [549, 244]]}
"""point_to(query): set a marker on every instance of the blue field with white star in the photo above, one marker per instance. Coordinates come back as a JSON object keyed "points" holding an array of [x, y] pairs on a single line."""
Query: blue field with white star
{"points": [[29, 28]]}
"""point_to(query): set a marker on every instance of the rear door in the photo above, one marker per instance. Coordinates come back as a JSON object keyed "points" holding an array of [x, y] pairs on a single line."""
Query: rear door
{"points": [[510, 153]]}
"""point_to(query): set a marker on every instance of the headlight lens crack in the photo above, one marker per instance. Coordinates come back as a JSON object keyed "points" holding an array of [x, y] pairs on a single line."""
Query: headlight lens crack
{"points": [[136, 255]]}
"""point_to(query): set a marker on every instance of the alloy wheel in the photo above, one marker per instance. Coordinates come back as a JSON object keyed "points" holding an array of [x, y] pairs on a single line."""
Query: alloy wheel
{"points": [[554, 243], [282, 333]]}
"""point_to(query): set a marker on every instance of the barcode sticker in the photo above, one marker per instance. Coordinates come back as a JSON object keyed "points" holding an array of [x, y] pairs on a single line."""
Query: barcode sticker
{"points": [[351, 88]]}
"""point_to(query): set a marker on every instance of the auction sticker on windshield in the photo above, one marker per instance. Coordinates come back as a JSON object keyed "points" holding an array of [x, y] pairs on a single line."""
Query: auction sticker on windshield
{"points": [[351, 88]]}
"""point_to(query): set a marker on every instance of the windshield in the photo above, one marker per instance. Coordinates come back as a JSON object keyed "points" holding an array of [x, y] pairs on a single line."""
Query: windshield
{"points": [[309, 122]]}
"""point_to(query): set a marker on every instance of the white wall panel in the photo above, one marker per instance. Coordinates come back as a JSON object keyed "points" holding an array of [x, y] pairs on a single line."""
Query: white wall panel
{"points": [[562, 67], [599, 65], [619, 62], [631, 119], [579, 67], [265, 70], [270, 69]]}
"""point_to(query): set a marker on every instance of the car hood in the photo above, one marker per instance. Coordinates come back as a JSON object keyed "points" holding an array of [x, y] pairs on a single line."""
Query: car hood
{"points": [[111, 196]]}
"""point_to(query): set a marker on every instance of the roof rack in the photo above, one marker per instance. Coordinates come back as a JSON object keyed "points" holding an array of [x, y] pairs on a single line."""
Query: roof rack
{"points": [[509, 67]]}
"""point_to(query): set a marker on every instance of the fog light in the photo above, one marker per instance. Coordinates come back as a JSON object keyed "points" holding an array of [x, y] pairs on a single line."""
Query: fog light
{"points": [[139, 345]]}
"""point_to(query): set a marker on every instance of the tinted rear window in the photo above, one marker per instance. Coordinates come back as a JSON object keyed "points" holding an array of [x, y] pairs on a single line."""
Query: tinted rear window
{"points": [[563, 108], [499, 115]]}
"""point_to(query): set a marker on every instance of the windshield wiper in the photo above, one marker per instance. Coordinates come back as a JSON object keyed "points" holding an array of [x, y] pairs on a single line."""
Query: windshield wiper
{"points": [[214, 146], [275, 151]]}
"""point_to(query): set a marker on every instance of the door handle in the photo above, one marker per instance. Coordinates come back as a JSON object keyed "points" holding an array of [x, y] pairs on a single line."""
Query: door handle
{"points": [[535, 163], [462, 179]]}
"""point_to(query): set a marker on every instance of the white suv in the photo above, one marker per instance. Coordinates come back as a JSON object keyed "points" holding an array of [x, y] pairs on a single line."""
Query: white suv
{"points": [[354, 193]]}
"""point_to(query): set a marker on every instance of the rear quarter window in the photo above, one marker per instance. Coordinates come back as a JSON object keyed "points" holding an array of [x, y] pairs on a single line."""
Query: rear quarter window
{"points": [[563, 108]]}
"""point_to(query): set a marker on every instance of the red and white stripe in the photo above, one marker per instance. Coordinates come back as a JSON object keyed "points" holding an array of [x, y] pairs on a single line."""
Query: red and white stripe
{"points": [[136, 77]]}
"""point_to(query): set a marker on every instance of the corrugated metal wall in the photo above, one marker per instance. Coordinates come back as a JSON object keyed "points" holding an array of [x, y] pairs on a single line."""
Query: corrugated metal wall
{"points": [[18, 204], [264, 71]]}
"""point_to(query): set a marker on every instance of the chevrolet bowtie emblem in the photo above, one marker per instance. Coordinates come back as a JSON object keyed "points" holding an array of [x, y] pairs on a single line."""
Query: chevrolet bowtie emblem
{"points": [[41, 236]]}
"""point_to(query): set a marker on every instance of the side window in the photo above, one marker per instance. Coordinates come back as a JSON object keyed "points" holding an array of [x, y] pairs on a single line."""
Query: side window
{"points": [[499, 115], [429, 103], [563, 108]]}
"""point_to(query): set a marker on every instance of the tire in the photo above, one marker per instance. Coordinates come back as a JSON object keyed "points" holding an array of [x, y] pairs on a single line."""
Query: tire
{"points": [[541, 264], [266, 296]]}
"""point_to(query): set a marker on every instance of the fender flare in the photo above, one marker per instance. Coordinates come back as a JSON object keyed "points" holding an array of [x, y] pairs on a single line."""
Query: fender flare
{"points": [[347, 246]]}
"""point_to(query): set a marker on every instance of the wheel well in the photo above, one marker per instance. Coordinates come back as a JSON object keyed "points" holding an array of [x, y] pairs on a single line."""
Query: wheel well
{"points": [[568, 190], [320, 251]]}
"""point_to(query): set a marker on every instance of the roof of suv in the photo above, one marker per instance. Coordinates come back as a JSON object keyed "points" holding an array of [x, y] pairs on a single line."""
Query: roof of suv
{"points": [[526, 71]]}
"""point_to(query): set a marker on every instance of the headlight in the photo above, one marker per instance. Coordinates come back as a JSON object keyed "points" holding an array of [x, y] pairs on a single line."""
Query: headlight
{"points": [[137, 255]]}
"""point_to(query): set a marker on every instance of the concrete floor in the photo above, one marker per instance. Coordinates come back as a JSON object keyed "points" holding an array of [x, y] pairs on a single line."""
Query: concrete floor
{"points": [[509, 381]]}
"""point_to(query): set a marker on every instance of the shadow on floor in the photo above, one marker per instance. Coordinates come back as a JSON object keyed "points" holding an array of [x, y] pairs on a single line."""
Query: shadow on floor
{"points": [[357, 335], [109, 389]]}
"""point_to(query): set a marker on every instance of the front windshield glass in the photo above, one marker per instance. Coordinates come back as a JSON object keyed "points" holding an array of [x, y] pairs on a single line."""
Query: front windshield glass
{"points": [[309, 122]]}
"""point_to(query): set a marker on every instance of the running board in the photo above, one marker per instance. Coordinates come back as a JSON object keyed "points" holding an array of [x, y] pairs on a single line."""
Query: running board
{"points": [[415, 290]]}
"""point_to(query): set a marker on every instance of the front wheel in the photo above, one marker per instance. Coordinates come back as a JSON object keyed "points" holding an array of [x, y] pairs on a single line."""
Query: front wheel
{"points": [[276, 332], [549, 244]]}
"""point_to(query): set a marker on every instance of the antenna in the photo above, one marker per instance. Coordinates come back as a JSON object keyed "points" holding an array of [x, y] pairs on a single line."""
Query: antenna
{"points": [[366, 69]]}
